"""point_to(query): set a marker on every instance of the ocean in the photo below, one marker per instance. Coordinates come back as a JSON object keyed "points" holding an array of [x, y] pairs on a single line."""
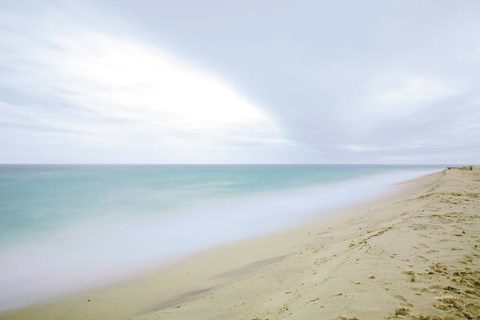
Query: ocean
{"points": [[66, 228]]}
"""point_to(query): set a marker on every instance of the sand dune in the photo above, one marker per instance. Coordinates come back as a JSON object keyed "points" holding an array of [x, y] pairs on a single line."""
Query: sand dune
{"points": [[411, 255]]}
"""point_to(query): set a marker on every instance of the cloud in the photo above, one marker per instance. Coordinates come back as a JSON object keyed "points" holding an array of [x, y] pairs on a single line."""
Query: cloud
{"points": [[114, 92], [414, 92], [368, 82]]}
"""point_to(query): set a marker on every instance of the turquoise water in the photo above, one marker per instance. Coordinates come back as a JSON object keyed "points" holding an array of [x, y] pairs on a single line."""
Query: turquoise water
{"points": [[76, 224], [36, 200]]}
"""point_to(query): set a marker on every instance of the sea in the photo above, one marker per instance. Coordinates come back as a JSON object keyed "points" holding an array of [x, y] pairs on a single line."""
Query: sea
{"points": [[68, 228]]}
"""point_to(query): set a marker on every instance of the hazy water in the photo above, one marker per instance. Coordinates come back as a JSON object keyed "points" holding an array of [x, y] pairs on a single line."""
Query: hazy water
{"points": [[64, 228]]}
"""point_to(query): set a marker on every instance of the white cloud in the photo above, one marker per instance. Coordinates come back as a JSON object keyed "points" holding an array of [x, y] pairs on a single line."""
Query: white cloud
{"points": [[416, 90], [117, 92], [397, 96], [126, 80], [92, 81]]}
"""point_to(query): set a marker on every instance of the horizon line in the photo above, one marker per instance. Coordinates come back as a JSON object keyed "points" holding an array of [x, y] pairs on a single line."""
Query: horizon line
{"points": [[228, 164]]}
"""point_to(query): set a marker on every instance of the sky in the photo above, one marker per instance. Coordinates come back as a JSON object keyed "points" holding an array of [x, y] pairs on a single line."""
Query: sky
{"points": [[152, 81]]}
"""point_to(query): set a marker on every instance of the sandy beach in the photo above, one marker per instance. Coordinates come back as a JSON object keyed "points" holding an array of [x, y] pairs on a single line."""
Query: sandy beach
{"points": [[413, 254]]}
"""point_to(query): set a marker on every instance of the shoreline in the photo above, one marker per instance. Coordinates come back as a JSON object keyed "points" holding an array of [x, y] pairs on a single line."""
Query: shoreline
{"points": [[96, 253], [185, 288]]}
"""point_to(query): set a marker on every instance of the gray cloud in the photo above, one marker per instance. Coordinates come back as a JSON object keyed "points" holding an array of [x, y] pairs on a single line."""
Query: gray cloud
{"points": [[346, 81]]}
